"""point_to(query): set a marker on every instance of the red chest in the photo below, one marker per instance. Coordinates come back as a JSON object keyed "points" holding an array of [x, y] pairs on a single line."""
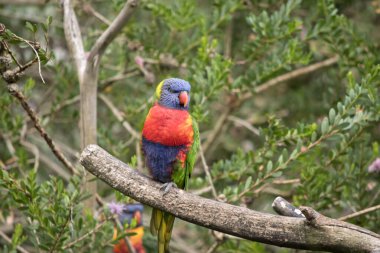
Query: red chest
{"points": [[169, 127]]}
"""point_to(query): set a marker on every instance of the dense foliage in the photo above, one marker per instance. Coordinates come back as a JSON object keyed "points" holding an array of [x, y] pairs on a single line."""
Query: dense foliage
{"points": [[285, 93]]}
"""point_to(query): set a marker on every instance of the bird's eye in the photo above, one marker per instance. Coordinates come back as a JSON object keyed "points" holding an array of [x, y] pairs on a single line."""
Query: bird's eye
{"points": [[170, 90]]}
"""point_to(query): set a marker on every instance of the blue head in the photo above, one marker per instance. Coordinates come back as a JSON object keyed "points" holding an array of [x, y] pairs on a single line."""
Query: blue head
{"points": [[174, 93], [132, 211]]}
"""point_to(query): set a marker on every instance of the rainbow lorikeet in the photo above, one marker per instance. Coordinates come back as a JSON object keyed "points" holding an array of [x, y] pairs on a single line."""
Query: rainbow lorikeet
{"points": [[126, 215], [170, 141]]}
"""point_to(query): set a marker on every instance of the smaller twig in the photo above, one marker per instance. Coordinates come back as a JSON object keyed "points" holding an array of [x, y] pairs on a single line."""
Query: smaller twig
{"points": [[148, 75], [283, 207], [145, 105], [119, 116], [291, 75], [356, 214], [62, 105], [13, 75], [245, 124], [207, 171], [202, 191], [112, 31], [9, 144], [11, 54], [91, 232], [14, 91], [108, 82], [213, 247], [166, 60], [90, 10], [277, 182], [217, 126], [9, 240], [35, 52], [377, 194], [287, 181], [33, 148], [53, 166]]}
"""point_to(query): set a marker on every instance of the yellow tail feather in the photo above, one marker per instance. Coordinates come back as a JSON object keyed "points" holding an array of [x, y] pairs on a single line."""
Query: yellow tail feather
{"points": [[161, 224]]}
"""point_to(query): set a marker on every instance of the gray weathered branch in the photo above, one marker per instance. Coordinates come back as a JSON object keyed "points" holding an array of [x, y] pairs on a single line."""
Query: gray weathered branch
{"points": [[106, 38], [317, 232], [73, 35]]}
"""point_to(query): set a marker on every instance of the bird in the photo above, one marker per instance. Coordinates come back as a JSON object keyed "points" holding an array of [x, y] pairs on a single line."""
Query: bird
{"points": [[126, 216], [170, 142]]}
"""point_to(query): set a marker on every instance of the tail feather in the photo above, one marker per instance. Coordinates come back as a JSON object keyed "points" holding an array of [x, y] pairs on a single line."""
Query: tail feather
{"points": [[161, 224], [155, 221]]}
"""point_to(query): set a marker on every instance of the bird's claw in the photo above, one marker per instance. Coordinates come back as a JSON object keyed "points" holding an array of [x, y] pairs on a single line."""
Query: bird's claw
{"points": [[167, 186]]}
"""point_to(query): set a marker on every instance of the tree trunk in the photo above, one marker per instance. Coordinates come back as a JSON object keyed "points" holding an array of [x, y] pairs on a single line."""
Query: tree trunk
{"points": [[88, 120]]}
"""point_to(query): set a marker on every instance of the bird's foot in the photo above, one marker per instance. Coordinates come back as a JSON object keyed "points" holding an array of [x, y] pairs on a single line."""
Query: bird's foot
{"points": [[167, 186]]}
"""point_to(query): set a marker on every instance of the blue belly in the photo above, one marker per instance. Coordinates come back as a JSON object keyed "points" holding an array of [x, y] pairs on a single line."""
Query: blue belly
{"points": [[160, 159]]}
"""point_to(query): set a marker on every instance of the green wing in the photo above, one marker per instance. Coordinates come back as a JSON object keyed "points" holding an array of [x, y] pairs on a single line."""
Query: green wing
{"points": [[182, 172], [192, 155]]}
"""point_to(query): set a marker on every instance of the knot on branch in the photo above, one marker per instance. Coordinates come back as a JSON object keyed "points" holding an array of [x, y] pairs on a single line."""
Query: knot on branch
{"points": [[14, 90], [310, 214], [5, 62], [12, 76]]}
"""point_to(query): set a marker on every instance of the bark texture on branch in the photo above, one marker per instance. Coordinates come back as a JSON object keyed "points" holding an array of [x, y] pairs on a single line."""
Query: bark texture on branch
{"points": [[317, 232]]}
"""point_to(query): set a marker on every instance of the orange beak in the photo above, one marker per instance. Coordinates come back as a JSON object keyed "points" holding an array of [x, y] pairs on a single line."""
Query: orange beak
{"points": [[183, 98]]}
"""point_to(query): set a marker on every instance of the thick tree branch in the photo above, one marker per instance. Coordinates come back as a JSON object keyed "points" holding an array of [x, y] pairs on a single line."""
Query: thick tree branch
{"points": [[315, 233], [106, 38]]}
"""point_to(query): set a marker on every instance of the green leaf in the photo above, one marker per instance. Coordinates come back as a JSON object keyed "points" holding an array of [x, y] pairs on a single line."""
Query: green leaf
{"points": [[269, 166], [29, 84], [332, 115], [49, 20], [32, 27], [17, 234], [248, 183], [324, 126]]}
